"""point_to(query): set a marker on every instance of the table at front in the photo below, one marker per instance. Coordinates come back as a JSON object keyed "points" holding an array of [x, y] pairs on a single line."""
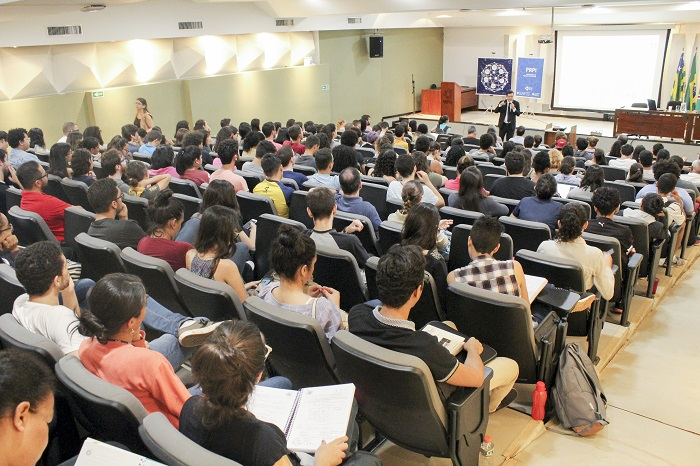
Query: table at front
{"points": [[659, 123]]}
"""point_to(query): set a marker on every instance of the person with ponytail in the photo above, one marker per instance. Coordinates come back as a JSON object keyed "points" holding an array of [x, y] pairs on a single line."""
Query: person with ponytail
{"points": [[165, 216], [140, 185], [188, 164], [597, 265], [143, 118], [227, 367], [216, 242], [292, 258]]}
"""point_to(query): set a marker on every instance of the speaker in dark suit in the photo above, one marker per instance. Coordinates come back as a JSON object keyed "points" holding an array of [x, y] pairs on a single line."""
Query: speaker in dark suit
{"points": [[507, 109]]}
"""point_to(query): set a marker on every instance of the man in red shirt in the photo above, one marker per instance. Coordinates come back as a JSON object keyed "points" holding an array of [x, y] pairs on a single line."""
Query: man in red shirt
{"points": [[296, 135], [33, 178]]}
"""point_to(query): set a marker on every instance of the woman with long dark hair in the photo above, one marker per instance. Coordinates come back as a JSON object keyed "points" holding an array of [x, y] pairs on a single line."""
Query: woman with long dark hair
{"points": [[143, 118], [471, 195], [593, 179], [60, 159]]}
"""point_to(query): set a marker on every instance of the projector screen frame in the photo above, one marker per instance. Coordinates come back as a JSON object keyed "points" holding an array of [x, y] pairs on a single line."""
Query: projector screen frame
{"points": [[597, 110]]}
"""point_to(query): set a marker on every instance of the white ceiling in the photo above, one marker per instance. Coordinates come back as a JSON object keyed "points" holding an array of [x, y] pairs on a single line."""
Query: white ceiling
{"points": [[23, 22]]}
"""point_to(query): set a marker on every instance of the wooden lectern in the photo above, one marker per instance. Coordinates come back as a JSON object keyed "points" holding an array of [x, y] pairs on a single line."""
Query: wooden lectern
{"points": [[451, 100]]}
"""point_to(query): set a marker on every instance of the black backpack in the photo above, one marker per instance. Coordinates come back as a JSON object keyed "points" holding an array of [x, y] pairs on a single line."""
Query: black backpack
{"points": [[577, 393]]}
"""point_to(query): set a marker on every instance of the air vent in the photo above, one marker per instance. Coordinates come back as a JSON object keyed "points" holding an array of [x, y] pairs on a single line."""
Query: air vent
{"points": [[93, 7], [284, 22], [64, 30], [354, 20], [190, 25]]}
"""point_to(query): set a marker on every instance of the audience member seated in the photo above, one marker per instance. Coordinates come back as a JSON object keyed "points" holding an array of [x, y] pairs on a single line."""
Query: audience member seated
{"points": [[593, 179], [515, 185], [112, 217], [320, 205], [286, 156], [270, 132], [636, 173], [555, 158], [74, 139], [662, 167], [68, 127], [165, 216], [455, 152], [412, 195], [678, 160], [152, 142], [400, 284], [566, 170], [188, 164], [646, 158], [345, 156], [143, 186], [9, 244], [52, 299], [471, 195], [216, 242], [471, 136], [26, 408], [295, 136], [625, 161], [596, 265], [541, 207], [651, 207], [486, 150], [519, 137], [116, 351], [406, 168], [598, 158], [114, 166], [311, 145], [18, 139], [463, 163], [60, 159], [324, 166], [264, 148], [292, 258], [666, 188], [227, 367], [385, 166], [541, 164], [421, 228], [228, 154], [162, 162], [606, 203], [222, 193], [273, 187], [694, 175], [422, 164], [350, 200], [196, 138], [81, 163], [131, 134], [33, 179], [250, 143]]}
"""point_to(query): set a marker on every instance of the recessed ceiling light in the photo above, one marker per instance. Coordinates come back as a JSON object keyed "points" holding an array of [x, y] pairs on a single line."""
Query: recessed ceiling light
{"points": [[443, 16]]}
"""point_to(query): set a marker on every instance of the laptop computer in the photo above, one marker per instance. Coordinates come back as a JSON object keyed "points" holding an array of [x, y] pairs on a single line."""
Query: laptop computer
{"points": [[651, 103]]}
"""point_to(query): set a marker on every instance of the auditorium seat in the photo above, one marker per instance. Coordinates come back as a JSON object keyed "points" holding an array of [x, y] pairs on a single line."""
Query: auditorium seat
{"points": [[192, 204], [525, 234], [389, 234], [459, 216], [254, 205], [297, 208], [186, 187], [268, 225], [375, 194], [137, 209], [367, 236], [208, 298], [10, 288], [100, 257], [13, 197], [13, 335], [77, 193], [459, 249], [29, 227], [338, 269], [54, 188], [76, 221]]}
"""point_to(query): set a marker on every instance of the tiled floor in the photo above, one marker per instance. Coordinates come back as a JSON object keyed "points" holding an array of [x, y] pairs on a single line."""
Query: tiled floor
{"points": [[653, 390]]}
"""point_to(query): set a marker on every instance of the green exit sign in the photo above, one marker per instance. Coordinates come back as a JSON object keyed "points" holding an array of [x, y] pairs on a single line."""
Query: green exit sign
{"points": [[96, 94]]}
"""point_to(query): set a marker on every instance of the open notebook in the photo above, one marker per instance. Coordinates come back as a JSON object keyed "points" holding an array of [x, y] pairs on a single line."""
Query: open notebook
{"points": [[307, 416], [534, 286], [453, 342]]}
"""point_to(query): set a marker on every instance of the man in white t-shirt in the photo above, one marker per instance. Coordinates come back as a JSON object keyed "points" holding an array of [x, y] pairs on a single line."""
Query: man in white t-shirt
{"points": [[694, 175], [51, 305], [406, 167], [624, 162]]}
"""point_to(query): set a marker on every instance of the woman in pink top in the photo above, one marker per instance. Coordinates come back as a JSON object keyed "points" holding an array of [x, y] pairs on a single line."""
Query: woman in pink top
{"points": [[188, 164], [464, 162], [117, 351], [162, 162]]}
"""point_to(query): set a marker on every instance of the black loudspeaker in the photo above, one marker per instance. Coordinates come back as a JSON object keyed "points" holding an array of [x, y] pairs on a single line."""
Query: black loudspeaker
{"points": [[376, 46]]}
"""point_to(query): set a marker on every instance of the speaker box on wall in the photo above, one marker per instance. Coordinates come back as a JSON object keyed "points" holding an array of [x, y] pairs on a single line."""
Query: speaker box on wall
{"points": [[376, 46]]}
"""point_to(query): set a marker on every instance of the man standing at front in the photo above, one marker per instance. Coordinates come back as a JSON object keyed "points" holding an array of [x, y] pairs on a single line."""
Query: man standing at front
{"points": [[507, 109]]}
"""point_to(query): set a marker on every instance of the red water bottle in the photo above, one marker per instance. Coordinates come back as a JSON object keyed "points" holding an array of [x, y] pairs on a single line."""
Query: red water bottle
{"points": [[539, 399]]}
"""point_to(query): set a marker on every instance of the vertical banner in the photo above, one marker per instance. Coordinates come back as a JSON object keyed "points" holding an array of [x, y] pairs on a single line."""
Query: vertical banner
{"points": [[495, 76], [529, 77]]}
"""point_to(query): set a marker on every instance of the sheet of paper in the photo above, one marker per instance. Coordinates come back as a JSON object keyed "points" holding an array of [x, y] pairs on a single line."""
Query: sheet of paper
{"points": [[95, 453], [454, 343], [534, 285], [563, 189], [272, 405], [323, 414]]}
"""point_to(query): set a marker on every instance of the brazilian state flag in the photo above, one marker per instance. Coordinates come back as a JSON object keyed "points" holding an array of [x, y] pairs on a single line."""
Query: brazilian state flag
{"points": [[679, 80], [690, 90]]}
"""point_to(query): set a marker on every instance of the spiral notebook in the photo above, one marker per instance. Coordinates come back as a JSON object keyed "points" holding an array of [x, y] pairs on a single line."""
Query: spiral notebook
{"points": [[306, 416]]}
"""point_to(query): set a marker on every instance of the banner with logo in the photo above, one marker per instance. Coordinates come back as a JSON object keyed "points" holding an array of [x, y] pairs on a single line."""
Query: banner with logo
{"points": [[529, 77], [494, 76]]}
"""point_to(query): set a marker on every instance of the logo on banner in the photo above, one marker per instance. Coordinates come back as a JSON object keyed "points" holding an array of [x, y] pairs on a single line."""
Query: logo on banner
{"points": [[529, 77], [494, 76]]}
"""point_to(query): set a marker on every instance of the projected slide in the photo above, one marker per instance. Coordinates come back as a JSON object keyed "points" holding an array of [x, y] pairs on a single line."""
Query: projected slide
{"points": [[604, 70]]}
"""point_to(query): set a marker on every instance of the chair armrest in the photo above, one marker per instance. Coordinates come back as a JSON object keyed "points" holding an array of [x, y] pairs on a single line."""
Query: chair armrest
{"points": [[614, 269], [468, 415], [634, 261], [656, 244]]}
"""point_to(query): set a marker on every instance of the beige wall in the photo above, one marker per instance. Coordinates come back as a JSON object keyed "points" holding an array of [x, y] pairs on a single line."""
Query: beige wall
{"points": [[380, 86]]}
